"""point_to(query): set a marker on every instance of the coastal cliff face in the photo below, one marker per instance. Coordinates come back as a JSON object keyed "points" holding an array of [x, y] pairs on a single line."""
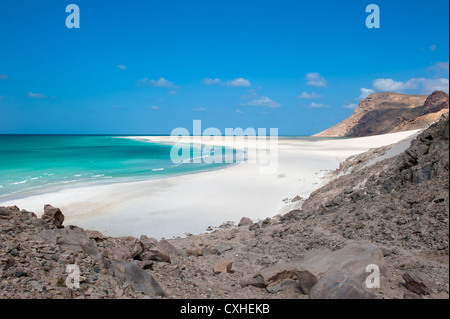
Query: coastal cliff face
{"points": [[382, 113], [402, 197]]}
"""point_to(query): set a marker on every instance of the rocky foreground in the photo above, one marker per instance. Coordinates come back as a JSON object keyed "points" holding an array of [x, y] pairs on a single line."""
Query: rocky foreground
{"points": [[392, 212]]}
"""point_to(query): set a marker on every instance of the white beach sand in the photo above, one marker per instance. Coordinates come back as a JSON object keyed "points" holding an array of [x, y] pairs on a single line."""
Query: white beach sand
{"points": [[190, 203]]}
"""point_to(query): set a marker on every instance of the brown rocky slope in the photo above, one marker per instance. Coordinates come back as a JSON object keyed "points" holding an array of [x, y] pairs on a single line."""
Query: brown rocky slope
{"points": [[382, 113], [393, 214]]}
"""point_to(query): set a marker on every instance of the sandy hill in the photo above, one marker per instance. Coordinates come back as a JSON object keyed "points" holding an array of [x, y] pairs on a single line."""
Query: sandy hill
{"points": [[382, 113]]}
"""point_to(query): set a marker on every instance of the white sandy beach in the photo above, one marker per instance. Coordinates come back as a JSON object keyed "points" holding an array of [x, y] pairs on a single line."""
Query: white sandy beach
{"points": [[190, 203]]}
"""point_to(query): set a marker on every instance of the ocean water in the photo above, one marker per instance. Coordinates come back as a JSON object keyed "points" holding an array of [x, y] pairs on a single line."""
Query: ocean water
{"points": [[32, 164]]}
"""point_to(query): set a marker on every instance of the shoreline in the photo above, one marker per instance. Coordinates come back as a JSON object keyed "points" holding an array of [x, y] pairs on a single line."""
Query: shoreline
{"points": [[111, 181], [58, 186], [190, 203]]}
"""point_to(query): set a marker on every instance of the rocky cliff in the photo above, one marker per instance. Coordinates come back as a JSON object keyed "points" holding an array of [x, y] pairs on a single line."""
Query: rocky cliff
{"points": [[382, 113]]}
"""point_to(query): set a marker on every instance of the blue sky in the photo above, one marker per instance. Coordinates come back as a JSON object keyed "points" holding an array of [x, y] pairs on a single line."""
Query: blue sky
{"points": [[147, 67]]}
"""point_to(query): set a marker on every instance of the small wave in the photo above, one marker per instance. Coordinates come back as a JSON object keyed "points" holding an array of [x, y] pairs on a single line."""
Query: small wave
{"points": [[34, 178], [157, 169], [66, 182], [98, 175], [78, 175], [22, 182]]}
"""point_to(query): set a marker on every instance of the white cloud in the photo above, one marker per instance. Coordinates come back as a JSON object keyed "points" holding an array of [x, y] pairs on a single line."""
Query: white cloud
{"points": [[251, 94], [365, 93], [318, 105], [264, 101], [433, 47], [389, 85], [310, 96], [238, 111], [211, 81], [122, 67], [443, 65], [351, 106], [161, 83], [254, 99], [421, 85], [315, 79], [173, 92], [430, 85], [238, 82], [199, 109], [441, 68], [37, 95], [154, 107], [4, 77]]}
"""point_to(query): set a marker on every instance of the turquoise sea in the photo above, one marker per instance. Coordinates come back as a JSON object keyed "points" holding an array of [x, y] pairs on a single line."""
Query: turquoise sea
{"points": [[32, 164]]}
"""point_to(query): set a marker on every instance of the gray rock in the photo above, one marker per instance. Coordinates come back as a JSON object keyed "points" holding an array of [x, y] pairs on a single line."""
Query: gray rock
{"points": [[21, 274], [132, 244], [279, 271], [53, 216], [140, 280], [271, 274], [339, 285], [194, 251], [306, 280], [96, 235], [416, 284], [39, 223], [226, 225], [4, 211], [221, 248], [14, 252], [223, 266], [71, 238], [169, 248], [152, 250], [245, 221], [266, 222], [284, 285], [120, 254], [352, 258], [255, 280], [148, 264]]}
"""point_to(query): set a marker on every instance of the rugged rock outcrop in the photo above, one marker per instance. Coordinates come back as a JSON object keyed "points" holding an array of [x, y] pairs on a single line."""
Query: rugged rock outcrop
{"points": [[319, 272], [403, 197], [35, 253], [53, 216], [382, 113]]}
